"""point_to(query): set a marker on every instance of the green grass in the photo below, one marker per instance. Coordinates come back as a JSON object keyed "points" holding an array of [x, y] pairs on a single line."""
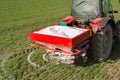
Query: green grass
{"points": [[18, 17]]}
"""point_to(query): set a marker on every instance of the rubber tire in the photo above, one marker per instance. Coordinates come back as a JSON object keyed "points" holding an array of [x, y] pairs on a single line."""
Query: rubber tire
{"points": [[117, 31], [101, 44]]}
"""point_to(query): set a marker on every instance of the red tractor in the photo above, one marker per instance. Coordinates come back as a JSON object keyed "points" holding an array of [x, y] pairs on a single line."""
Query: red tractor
{"points": [[97, 30]]}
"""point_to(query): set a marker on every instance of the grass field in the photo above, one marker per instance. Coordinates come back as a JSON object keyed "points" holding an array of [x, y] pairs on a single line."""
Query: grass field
{"points": [[17, 18]]}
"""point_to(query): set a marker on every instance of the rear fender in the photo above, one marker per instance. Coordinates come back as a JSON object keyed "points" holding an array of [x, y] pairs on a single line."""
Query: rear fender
{"points": [[106, 21], [101, 22]]}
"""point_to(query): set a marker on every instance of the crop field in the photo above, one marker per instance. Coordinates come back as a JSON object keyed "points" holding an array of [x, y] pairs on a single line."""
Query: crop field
{"points": [[18, 17]]}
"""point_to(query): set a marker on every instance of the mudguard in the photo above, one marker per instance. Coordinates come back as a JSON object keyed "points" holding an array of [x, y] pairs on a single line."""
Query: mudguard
{"points": [[68, 19], [105, 21], [102, 22]]}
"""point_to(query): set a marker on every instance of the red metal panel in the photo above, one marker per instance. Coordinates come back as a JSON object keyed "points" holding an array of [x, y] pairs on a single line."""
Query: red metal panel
{"points": [[50, 39], [80, 38], [69, 42]]}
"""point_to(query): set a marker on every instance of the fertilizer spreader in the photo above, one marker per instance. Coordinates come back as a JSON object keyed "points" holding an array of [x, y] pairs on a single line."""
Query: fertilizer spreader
{"points": [[91, 25], [62, 43]]}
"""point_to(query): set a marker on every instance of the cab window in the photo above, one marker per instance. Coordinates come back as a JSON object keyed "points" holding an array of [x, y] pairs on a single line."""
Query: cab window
{"points": [[106, 7]]}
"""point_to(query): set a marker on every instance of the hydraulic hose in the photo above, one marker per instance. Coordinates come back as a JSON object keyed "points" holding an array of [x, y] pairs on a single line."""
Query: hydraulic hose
{"points": [[33, 63], [29, 60]]}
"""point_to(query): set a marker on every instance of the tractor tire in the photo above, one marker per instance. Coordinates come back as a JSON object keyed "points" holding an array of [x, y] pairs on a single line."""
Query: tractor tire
{"points": [[101, 44], [117, 31]]}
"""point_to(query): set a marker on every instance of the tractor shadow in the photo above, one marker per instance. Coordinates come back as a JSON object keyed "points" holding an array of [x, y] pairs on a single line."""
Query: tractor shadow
{"points": [[115, 55]]}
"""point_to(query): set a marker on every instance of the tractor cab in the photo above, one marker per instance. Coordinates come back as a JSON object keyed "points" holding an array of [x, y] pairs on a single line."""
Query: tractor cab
{"points": [[90, 9], [85, 9]]}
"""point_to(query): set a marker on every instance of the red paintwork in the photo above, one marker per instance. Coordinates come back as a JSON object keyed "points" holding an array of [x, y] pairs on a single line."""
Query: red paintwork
{"points": [[68, 19], [56, 40], [96, 22], [74, 53]]}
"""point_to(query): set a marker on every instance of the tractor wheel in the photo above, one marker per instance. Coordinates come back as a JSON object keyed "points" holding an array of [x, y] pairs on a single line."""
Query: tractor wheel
{"points": [[117, 31], [101, 44]]}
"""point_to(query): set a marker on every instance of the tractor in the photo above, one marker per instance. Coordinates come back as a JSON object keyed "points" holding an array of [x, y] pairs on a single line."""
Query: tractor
{"points": [[97, 19]]}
